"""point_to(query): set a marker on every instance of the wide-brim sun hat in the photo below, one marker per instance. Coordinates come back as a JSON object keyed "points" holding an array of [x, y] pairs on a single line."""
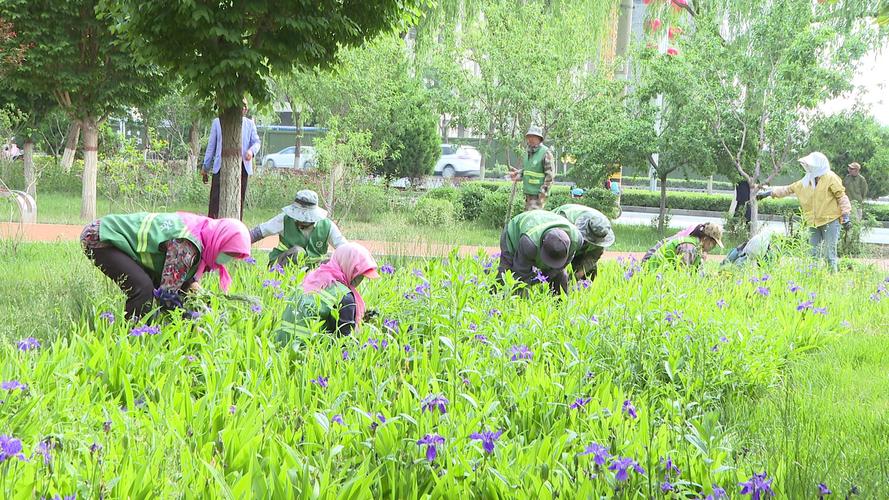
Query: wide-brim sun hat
{"points": [[596, 229], [305, 208], [535, 130], [554, 248], [713, 231]]}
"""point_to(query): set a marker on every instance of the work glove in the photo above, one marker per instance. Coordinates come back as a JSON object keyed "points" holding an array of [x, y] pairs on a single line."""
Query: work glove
{"points": [[168, 299], [763, 195], [846, 221]]}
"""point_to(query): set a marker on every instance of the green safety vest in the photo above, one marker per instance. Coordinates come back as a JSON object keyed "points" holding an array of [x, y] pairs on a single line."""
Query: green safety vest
{"points": [[315, 244], [305, 308], [572, 212], [140, 236], [534, 224], [532, 173], [667, 253]]}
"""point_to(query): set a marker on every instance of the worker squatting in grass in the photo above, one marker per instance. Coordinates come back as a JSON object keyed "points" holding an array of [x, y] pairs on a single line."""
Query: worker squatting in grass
{"points": [[160, 257]]}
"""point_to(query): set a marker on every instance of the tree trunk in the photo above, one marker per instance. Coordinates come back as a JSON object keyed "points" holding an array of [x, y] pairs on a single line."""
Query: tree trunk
{"points": [[298, 140], [90, 127], [71, 145], [30, 174], [710, 185], [662, 215], [230, 172], [194, 146], [754, 209]]}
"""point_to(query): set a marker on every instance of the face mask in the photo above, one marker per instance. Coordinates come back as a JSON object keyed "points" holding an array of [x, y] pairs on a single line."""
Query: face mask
{"points": [[223, 258]]}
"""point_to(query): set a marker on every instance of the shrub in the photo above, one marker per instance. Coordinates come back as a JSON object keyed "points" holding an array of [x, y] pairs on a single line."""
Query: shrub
{"points": [[450, 194], [471, 196], [368, 202], [433, 212], [492, 212]]}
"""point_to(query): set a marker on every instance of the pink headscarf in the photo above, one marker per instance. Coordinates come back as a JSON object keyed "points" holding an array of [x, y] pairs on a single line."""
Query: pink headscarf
{"points": [[217, 236], [685, 232], [348, 261]]}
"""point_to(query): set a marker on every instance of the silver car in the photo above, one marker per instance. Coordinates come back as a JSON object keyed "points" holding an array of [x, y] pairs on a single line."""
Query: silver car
{"points": [[460, 161], [284, 158]]}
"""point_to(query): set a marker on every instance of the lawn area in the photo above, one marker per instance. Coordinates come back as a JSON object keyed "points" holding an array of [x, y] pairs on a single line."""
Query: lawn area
{"points": [[726, 374]]}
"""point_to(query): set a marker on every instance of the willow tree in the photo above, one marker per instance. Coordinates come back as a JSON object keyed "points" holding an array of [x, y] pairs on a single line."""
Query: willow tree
{"points": [[226, 50]]}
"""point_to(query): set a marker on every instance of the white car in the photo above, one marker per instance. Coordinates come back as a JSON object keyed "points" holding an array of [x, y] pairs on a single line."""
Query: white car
{"points": [[457, 160], [284, 158]]}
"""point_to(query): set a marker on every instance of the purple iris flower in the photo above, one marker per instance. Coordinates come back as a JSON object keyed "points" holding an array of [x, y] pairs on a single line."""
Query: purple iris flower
{"points": [[493, 312], [144, 330], [757, 486], [408, 348], [13, 385], [802, 306], [374, 425], [723, 339], [629, 273], [812, 295], [594, 319], [666, 487], [629, 409], [417, 273], [718, 494], [670, 468], [720, 303], [391, 324], [28, 344], [793, 287], [250, 260], [473, 327], [345, 355], [540, 277], [10, 447], [277, 269], [433, 402], [821, 310], [377, 345], [107, 315], [765, 277], [279, 295], [600, 453], [823, 490], [431, 441], [672, 317], [520, 352], [387, 269], [481, 338], [621, 466], [487, 438], [95, 448], [579, 403], [44, 449], [232, 409], [256, 308], [762, 291], [338, 419], [271, 284], [423, 289], [321, 381]]}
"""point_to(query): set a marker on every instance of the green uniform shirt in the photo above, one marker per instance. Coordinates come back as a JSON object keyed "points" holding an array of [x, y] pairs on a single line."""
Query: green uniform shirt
{"points": [[534, 224], [668, 253], [140, 236], [856, 187], [532, 171], [315, 243], [587, 252], [305, 308]]}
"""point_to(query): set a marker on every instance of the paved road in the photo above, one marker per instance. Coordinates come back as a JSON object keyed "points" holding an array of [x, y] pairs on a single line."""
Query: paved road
{"points": [[878, 235]]}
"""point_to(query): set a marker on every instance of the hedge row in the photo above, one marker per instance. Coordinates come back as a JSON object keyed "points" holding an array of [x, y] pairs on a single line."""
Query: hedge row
{"points": [[679, 183], [722, 202]]}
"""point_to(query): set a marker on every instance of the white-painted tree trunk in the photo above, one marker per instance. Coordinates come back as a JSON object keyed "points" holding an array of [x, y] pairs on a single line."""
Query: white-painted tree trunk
{"points": [[90, 126], [30, 174], [71, 145]]}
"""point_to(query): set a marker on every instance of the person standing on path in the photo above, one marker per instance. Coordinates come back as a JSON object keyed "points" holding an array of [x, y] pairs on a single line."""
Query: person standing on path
{"points": [[161, 255], [537, 246], [824, 202], [597, 234], [302, 228], [856, 186], [537, 172], [213, 159]]}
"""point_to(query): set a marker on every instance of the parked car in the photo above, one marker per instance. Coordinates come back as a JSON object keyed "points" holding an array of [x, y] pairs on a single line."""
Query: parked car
{"points": [[284, 158], [457, 160]]}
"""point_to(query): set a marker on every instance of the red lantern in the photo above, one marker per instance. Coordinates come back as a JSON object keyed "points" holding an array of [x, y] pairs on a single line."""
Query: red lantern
{"points": [[673, 52], [656, 24]]}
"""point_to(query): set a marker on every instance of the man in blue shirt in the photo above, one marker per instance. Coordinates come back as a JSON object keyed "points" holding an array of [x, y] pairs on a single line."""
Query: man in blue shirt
{"points": [[249, 148]]}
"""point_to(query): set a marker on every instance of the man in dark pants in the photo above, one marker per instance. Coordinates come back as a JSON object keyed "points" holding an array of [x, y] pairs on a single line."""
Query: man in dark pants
{"points": [[537, 246], [249, 149]]}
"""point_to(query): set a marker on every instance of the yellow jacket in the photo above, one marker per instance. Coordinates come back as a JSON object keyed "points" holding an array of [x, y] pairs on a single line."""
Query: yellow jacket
{"points": [[823, 204]]}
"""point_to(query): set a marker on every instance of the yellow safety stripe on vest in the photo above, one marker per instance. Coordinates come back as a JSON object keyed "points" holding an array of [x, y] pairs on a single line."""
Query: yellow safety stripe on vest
{"points": [[142, 241], [534, 177]]}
